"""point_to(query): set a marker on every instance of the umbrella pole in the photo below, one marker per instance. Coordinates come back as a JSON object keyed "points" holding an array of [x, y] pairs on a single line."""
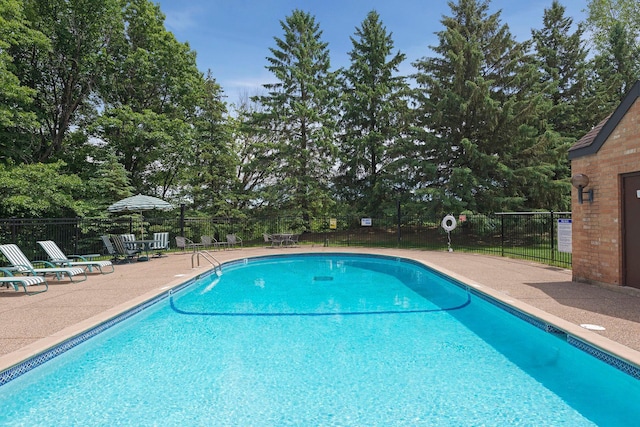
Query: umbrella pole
{"points": [[141, 225]]}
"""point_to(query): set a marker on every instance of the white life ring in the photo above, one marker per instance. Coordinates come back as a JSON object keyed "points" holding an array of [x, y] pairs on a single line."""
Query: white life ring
{"points": [[448, 223]]}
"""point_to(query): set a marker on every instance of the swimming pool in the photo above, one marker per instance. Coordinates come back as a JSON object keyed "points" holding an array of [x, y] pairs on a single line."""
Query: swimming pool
{"points": [[333, 339]]}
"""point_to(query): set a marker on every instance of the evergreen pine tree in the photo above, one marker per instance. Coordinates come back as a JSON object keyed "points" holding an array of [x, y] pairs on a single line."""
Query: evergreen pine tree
{"points": [[561, 56], [478, 103], [615, 70], [299, 112], [374, 116]]}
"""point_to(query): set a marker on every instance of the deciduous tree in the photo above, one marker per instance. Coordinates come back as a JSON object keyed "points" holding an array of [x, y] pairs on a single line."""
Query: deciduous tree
{"points": [[63, 74], [17, 119], [150, 93]]}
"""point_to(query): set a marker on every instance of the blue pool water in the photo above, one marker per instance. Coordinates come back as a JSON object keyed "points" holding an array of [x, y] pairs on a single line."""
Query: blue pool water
{"points": [[323, 340]]}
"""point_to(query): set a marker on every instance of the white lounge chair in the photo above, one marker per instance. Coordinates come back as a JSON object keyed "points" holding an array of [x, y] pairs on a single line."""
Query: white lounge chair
{"points": [[22, 265], [16, 281], [57, 257]]}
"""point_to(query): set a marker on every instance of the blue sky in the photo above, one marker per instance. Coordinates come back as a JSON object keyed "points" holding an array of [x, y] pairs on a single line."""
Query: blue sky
{"points": [[233, 37]]}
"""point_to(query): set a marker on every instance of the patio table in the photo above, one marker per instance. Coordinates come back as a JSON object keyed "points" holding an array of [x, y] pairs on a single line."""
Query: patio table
{"points": [[284, 238], [146, 246]]}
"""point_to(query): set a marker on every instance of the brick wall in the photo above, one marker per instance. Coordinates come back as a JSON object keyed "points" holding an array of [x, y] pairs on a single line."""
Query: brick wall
{"points": [[597, 233]]}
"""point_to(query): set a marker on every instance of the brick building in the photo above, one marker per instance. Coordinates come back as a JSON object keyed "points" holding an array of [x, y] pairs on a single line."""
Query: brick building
{"points": [[605, 168]]}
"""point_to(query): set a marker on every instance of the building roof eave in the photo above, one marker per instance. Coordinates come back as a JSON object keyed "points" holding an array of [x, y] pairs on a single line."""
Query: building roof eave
{"points": [[596, 137]]}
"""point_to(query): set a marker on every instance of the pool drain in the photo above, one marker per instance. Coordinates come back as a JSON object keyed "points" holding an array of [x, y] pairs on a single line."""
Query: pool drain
{"points": [[322, 278], [592, 327]]}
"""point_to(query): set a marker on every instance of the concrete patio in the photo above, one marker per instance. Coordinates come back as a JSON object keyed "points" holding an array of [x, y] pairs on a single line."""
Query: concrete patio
{"points": [[34, 323]]}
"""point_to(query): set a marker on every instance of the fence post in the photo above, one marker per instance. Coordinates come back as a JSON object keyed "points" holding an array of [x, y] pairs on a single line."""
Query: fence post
{"points": [[398, 207], [182, 219], [76, 234], [553, 242], [502, 235]]}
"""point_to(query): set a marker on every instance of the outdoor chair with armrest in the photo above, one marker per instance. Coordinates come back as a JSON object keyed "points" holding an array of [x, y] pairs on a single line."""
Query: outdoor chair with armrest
{"points": [[161, 243], [233, 240], [128, 240], [123, 250], [291, 240], [208, 242], [111, 250], [184, 243], [276, 239]]}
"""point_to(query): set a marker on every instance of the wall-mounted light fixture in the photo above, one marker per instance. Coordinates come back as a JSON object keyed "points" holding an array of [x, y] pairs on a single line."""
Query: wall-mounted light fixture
{"points": [[580, 181]]}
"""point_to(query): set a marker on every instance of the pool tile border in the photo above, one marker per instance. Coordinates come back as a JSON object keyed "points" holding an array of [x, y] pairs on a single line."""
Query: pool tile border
{"points": [[593, 351], [604, 356], [37, 360], [51, 353]]}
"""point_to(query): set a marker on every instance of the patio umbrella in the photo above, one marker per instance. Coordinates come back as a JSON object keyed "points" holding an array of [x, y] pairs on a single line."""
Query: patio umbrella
{"points": [[140, 203]]}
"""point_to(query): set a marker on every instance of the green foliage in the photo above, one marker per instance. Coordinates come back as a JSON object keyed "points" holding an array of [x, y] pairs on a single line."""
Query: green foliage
{"points": [[39, 190], [151, 92], [105, 182], [375, 117], [16, 115], [479, 102], [258, 164], [604, 15], [64, 73], [102, 91], [299, 112], [561, 58], [212, 174], [615, 70]]}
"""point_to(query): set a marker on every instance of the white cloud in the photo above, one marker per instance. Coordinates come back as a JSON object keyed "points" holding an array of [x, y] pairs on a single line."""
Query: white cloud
{"points": [[181, 20]]}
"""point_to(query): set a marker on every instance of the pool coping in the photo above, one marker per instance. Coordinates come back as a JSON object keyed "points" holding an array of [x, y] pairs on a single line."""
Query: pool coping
{"points": [[600, 347], [613, 353], [30, 356]]}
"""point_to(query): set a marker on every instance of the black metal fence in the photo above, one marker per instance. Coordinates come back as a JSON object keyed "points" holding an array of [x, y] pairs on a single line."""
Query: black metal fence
{"points": [[525, 235]]}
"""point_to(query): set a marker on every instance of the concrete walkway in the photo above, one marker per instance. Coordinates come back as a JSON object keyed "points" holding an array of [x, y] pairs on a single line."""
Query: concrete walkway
{"points": [[31, 324]]}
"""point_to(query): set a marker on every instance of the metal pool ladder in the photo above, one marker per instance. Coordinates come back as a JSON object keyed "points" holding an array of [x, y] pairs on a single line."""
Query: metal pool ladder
{"points": [[217, 266]]}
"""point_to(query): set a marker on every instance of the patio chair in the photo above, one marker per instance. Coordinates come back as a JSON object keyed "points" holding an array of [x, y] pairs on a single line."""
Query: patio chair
{"points": [[208, 241], [268, 238], [278, 239], [124, 251], [292, 240], [184, 244], [22, 265], [128, 238], [233, 240], [161, 244], [24, 281], [111, 250], [57, 257]]}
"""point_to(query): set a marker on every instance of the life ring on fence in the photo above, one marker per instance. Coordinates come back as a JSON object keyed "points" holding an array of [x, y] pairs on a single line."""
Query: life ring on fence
{"points": [[448, 223]]}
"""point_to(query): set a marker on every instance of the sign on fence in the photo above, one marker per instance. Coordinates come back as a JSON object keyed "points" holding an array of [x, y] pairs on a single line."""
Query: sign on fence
{"points": [[365, 222], [564, 235]]}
